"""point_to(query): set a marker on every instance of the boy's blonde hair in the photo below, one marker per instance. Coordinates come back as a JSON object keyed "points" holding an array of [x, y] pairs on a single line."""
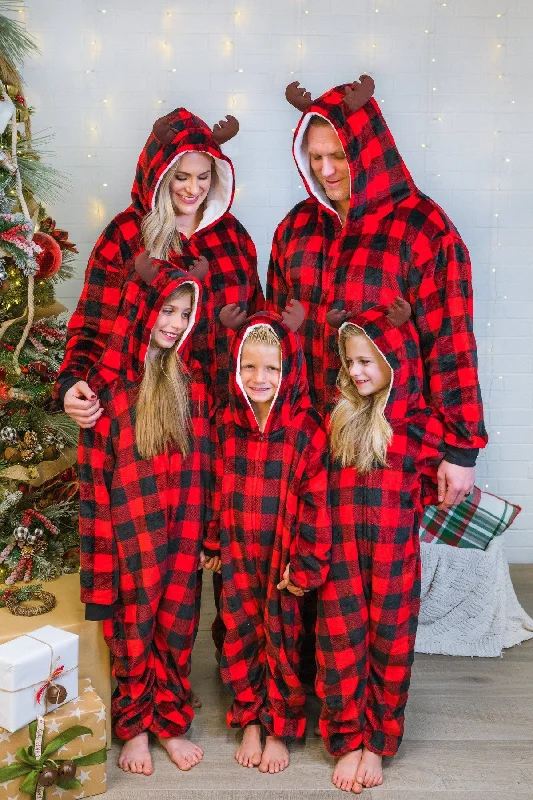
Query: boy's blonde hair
{"points": [[359, 432], [262, 334], [163, 416]]}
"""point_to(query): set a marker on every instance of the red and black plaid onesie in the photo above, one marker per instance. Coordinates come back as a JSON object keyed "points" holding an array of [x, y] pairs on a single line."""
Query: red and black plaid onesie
{"points": [[368, 607], [271, 508], [220, 238], [141, 524]]}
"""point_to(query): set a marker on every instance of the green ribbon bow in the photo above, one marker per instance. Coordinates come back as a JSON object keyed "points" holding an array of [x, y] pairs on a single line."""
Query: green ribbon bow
{"points": [[30, 766]]}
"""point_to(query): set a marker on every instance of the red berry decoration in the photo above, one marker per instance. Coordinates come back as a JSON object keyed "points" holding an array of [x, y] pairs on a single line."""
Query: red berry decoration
{"points": [[50, 259], [20, 99]]}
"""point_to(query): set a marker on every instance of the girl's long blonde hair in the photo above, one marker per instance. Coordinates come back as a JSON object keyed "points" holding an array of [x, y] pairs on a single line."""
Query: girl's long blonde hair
{"points": [[163, 409], [359, 432], [158, 227]]}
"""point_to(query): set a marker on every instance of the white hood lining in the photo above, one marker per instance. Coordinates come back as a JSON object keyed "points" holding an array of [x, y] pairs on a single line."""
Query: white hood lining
{"points": [[238, 375], [301, 155], [219, 196]]}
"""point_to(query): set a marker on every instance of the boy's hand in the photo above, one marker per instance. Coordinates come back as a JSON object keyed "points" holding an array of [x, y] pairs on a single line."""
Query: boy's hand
{"points": [[285, 583], [213, 563]]}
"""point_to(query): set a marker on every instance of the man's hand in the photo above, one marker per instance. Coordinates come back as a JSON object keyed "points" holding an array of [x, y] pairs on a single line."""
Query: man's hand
{"points": [[285, 583], [212, 563], [454, 483], [82, 405]]}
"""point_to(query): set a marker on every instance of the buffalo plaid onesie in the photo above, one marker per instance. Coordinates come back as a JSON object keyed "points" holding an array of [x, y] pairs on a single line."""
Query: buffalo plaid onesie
{"points": [[220, 238], [396, 241], [141, 524], [368, 607], [271, 508]]}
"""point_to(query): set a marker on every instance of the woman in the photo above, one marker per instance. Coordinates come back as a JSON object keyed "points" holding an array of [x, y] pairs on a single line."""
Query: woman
{"points": [[181, 196]]}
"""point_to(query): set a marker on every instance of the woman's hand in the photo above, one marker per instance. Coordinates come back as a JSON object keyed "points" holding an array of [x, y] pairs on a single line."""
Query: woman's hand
{"points": [[82, 405], [285, 583]]}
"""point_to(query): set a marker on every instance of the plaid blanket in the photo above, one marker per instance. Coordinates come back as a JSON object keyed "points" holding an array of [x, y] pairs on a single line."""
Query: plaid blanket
{"points": [[473, 523]]}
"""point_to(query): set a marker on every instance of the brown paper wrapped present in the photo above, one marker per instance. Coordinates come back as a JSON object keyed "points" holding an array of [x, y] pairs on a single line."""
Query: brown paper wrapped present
{"points": [[62, 754], [69, 614]]}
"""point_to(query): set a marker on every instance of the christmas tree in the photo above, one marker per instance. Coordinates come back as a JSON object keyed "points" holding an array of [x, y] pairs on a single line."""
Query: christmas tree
{"points": [[38, 487]]}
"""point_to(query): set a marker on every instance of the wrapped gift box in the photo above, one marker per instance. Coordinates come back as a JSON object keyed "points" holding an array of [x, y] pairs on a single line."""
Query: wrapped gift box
{"points": [[74, 732], [38, 673], [69, 614]]}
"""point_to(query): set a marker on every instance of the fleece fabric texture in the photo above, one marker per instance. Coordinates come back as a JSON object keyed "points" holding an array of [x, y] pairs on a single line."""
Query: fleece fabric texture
{"points": [[141, 524], [368, 607], [220, 238], [271, 509], [396, 241]]}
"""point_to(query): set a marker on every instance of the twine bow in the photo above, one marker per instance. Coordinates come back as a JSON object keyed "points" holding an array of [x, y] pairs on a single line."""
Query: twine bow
{"points": [[32, 759], [54, 674]]}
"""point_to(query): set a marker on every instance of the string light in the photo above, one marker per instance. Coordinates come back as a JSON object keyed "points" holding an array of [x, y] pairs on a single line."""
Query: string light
{"points": [[104, 184]]}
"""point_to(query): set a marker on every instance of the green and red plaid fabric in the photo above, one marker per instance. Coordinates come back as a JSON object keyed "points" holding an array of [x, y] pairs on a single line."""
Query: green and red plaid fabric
{"points": [[473, 523]]}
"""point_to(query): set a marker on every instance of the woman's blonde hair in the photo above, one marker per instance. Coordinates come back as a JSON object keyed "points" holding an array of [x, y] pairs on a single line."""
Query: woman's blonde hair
{"points": [[163, 416], [359, 432], [158, 227]]}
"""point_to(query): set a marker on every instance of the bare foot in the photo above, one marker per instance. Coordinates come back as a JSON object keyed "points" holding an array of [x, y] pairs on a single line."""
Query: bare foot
{"points": [[369, 773], [316, 730], [345, 772], [275, 756], [250, 750], [182, 752], [195, 700], [135, 755]]}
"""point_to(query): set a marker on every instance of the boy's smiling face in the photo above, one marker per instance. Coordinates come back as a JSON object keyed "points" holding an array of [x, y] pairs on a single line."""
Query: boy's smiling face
{"points": [[260, 372]]}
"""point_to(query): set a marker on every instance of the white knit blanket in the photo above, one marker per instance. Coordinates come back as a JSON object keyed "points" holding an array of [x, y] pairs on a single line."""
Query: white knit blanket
{"points": [[468, 603]]}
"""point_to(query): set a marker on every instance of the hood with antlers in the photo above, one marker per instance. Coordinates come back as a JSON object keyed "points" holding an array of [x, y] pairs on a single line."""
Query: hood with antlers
{"points": [[391, 329], [379, 177], [172, 136], [293, 395]]}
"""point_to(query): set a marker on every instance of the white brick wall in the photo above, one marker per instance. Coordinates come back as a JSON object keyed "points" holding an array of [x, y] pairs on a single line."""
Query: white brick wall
{"points": [[476, 127]]}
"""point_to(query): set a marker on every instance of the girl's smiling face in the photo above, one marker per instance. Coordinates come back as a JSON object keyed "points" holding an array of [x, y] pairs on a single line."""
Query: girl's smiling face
{"points": [[172, 321], [367, 368]]}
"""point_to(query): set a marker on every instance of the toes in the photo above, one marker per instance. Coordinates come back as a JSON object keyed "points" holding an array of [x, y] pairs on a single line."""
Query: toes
{"points": [[356, 788]]}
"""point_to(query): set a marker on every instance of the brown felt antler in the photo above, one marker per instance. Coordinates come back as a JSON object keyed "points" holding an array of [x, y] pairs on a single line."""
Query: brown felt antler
{"points": [[232, 316], [359, 93], [336, 316], [297, 96], [146, 267], [294, 315], [398, 311], [226, 129], [163, 130]]}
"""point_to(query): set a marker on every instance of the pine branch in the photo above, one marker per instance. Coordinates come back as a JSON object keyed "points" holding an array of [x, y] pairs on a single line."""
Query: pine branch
{"points": [[15, 42]]}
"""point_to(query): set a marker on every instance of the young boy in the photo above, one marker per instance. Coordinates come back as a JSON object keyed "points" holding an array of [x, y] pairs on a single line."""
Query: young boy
{"points": [[270, 531]]}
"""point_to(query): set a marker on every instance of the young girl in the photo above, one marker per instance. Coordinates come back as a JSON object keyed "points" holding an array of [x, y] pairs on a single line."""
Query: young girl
{"points": [[144, 470], [383, 437], [273, 528]]}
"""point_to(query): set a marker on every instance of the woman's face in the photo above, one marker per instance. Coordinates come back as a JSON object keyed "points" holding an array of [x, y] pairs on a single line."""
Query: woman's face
{"points": [[191, 182]]}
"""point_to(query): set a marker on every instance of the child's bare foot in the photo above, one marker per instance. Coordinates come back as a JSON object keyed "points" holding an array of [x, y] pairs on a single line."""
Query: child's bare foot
{"points": [[195, 700], [345, 772], [182, 752], [135, 755], [316, 730], [250, 750], [275, 756], [370, 773]]}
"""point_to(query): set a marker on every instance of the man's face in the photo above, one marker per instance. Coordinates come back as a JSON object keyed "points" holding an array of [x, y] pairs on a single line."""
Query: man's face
{"points": [[328, 162]]}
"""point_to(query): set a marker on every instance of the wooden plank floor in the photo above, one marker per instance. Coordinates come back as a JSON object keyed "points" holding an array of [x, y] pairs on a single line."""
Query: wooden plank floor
{"points": [[469, 735]]}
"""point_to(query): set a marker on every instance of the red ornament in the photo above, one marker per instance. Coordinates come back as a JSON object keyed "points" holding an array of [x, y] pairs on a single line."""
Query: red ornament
{"points": [[20, 99], [50, 259]]}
